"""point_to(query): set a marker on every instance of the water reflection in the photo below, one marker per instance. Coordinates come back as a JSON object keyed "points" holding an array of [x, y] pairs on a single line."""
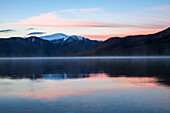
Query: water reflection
{"points": [[73, 69], [97, 86], [50, 89]]}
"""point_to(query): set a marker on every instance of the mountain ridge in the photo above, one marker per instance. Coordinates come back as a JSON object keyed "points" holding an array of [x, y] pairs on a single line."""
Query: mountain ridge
{"points": [[62, 38], [144, 45], [157, 44], [37, 47]]}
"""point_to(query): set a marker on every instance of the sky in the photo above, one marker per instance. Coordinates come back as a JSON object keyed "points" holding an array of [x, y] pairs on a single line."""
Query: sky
{"points": [[93, 19]]}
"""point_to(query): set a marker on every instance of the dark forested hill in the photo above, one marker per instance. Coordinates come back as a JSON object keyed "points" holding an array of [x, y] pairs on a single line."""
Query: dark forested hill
{"points": [[139, 45], [153, 44], [34, 47]]}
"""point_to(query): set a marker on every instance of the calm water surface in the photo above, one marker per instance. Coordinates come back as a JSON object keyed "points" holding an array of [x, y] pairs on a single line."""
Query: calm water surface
{"points": [[85, 85]]}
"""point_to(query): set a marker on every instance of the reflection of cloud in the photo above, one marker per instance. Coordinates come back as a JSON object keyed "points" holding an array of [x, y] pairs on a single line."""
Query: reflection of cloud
{"points": [[53, 89], [95, 84], [36, 33], [50, 95], [6, 30]]}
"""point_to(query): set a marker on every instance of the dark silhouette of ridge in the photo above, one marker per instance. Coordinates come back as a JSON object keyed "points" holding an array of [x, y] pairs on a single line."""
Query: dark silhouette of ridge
{"points": [[138, 45]]}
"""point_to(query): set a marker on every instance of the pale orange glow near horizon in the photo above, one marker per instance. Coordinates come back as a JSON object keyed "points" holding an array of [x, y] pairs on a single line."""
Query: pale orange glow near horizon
{"points": [[120, 34], [90, 85], [94, 29]]}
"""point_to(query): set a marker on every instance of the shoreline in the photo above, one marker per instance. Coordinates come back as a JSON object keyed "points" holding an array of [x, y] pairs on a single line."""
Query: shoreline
{"points": [[88, 57]]}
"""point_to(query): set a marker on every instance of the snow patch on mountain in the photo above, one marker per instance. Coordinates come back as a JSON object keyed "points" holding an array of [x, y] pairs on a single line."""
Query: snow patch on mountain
{"points": [[58, 36], [76, 37], [54, 36]]}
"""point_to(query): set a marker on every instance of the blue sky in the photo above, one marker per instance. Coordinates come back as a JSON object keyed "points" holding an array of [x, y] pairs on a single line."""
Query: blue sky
{"points": [[95, 19]]}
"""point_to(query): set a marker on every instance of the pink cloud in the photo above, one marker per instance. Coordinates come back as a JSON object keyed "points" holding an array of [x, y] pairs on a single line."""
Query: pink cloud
{"points": [[162, 8], [52, 20], [81, 10], [120, 34]]}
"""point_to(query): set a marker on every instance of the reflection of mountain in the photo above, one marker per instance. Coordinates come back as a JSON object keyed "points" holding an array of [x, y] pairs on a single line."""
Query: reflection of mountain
{"points": [[64, 76], [71, 69]]}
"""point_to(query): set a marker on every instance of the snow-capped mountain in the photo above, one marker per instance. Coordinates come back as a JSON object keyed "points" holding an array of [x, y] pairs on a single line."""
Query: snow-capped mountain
{"points": [[56, 36], [52, 45], [62, 38]]}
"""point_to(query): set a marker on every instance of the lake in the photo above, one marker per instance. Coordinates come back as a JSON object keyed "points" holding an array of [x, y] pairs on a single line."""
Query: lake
{"points": [[85, 85]]}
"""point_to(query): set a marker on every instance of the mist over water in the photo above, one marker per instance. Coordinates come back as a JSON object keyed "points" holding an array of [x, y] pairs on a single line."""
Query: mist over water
{"points": [[87, 84], [88, 57]]}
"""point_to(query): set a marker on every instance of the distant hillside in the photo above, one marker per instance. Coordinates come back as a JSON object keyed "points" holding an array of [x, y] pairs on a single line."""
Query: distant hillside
{"points": [[143, 45], [62, 45], [20, 47], [41, 47]]}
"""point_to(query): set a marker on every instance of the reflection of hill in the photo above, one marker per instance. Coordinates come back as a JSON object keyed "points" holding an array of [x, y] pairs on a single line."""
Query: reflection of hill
{"points": [[64, 69], [137, 68]]}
